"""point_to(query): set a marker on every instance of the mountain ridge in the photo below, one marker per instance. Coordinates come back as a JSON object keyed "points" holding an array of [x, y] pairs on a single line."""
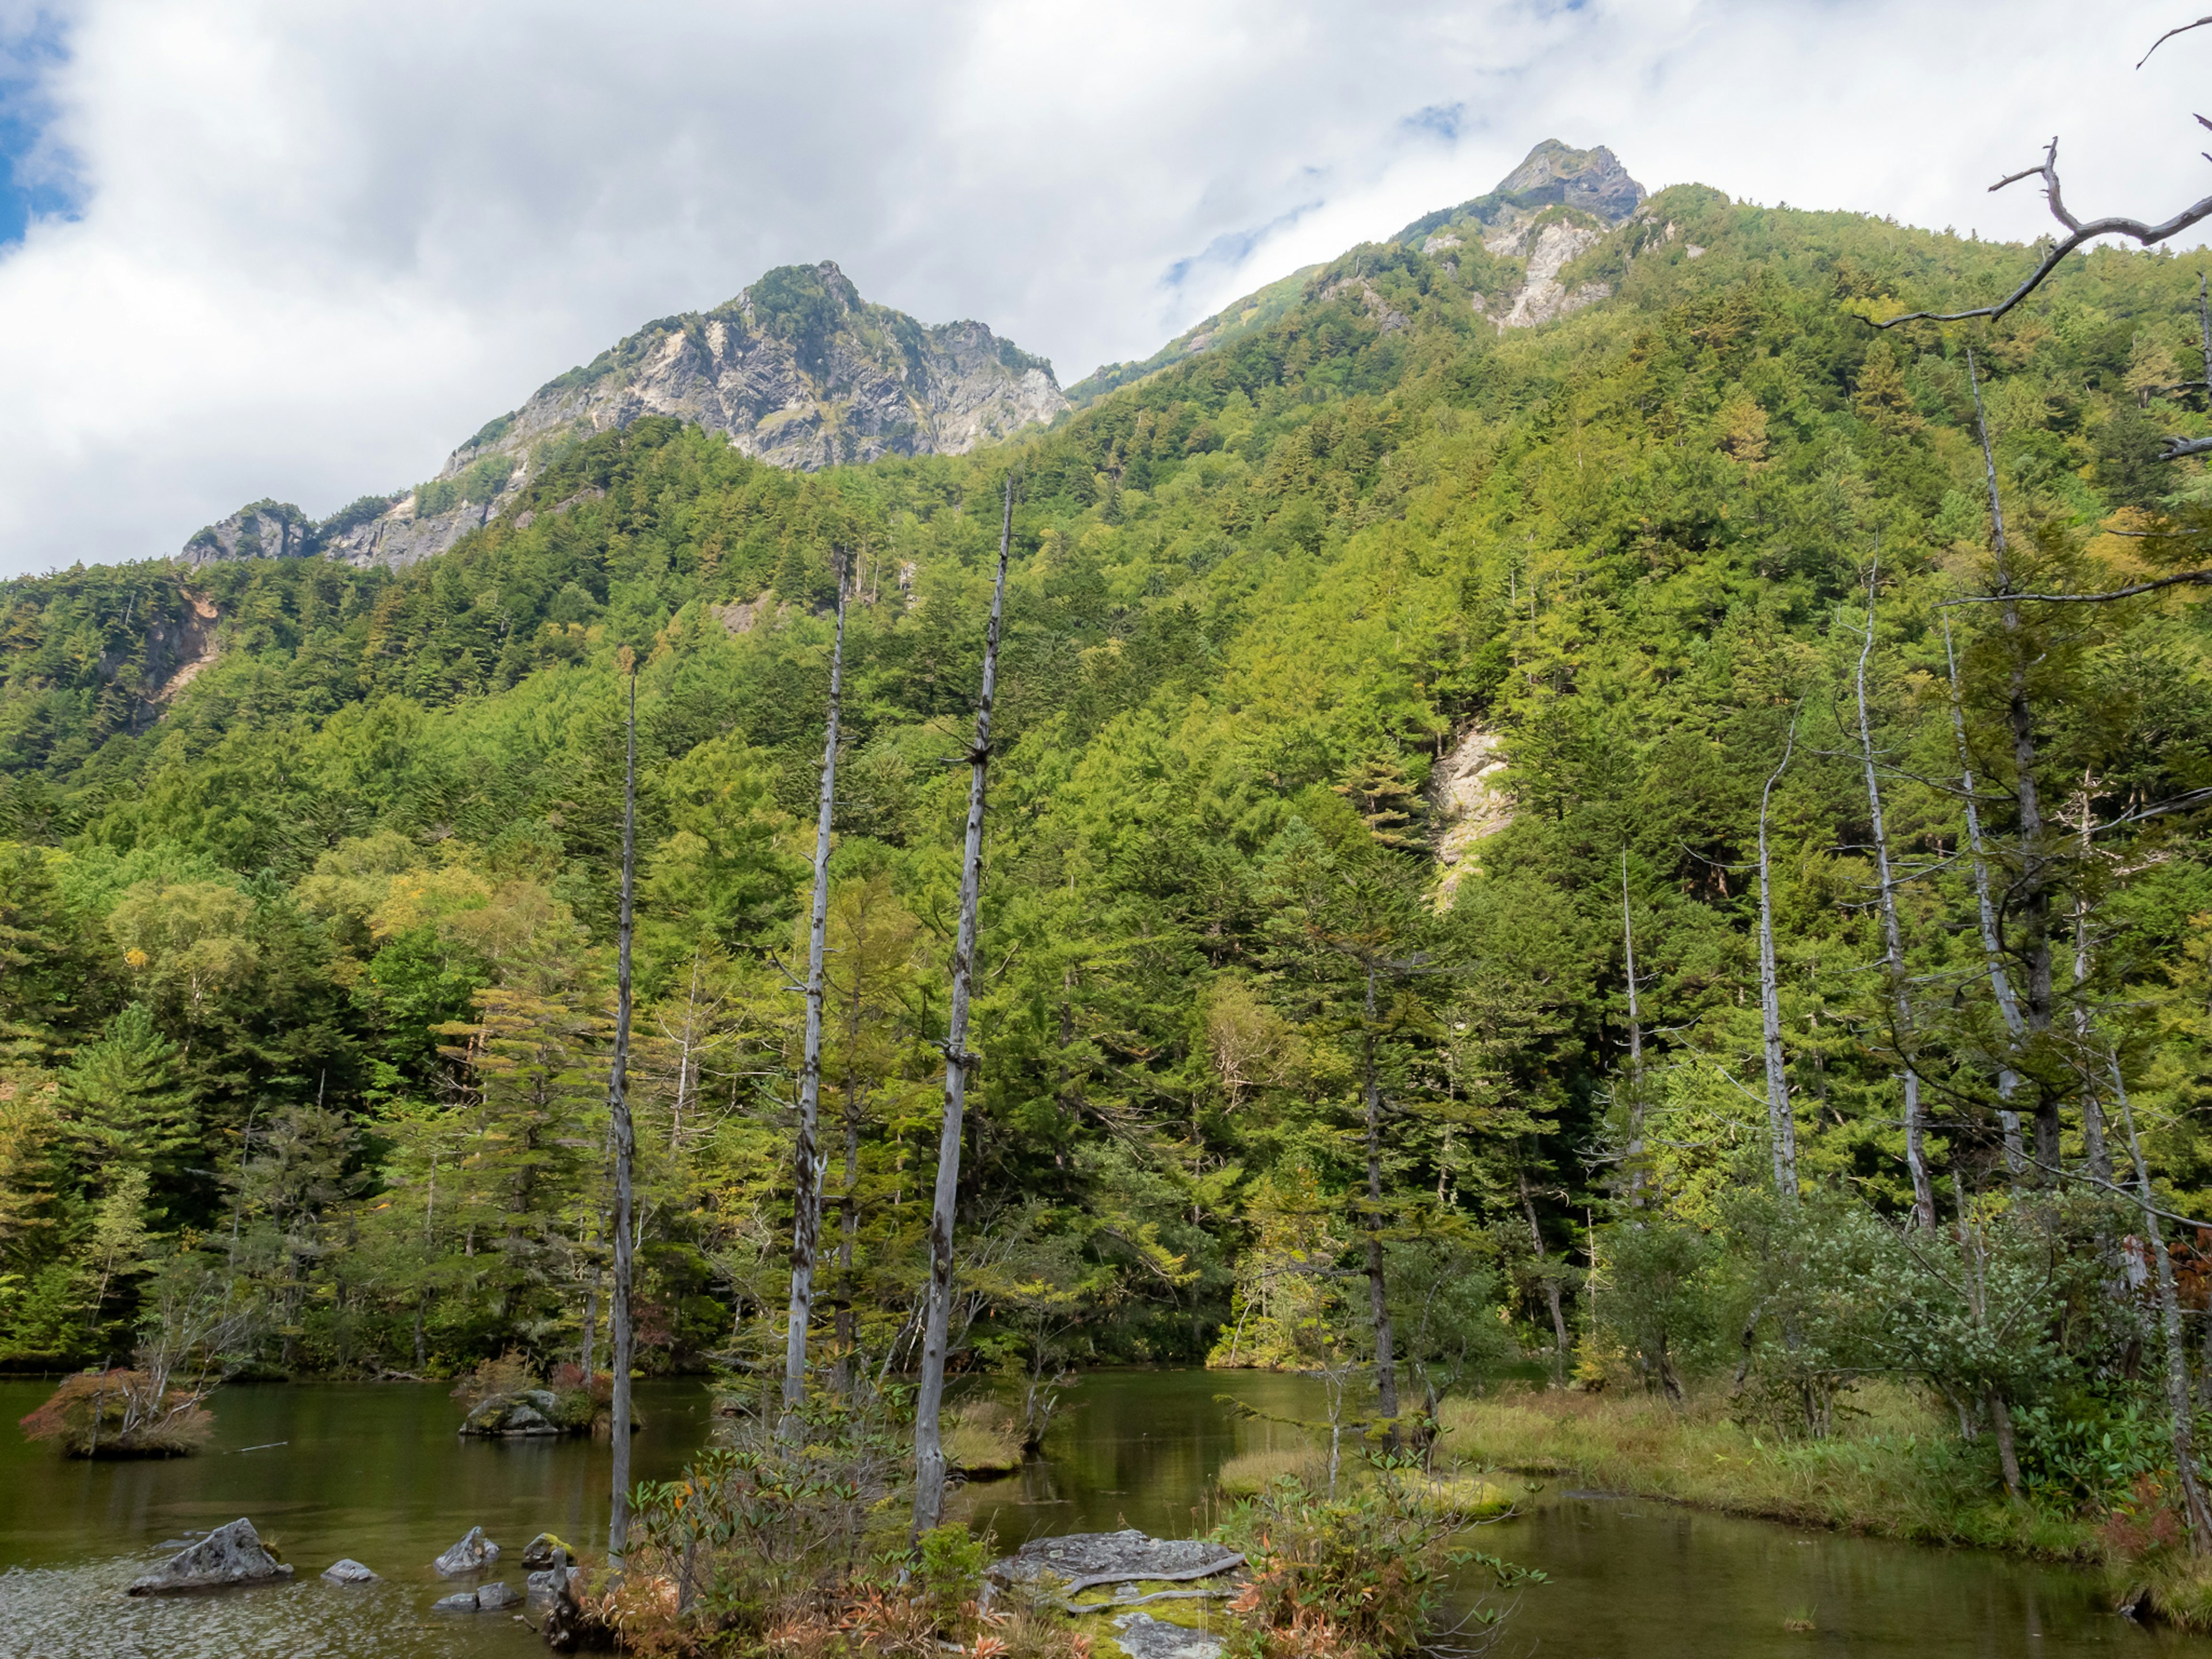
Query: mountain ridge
{"points": [[798, 369]]}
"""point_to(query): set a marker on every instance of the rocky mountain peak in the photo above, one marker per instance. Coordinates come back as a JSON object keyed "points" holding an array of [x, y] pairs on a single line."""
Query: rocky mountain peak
{"points": [[1591, 179], [798, 369]]}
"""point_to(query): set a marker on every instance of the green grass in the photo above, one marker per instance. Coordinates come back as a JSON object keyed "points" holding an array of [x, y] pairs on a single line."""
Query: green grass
{"points": [[981, 1439], [1894, 1471]]}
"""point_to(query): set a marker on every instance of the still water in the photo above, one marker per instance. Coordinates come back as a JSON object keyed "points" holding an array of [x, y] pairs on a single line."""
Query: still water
{"points": [[377, 1473]]}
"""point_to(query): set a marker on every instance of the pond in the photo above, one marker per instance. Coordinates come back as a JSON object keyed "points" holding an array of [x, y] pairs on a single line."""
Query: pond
{"points": [[375, 1472]]}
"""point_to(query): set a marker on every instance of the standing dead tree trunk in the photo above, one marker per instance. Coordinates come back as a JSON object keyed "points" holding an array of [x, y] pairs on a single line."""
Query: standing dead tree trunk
{"points": [[1635, 1047], [625, 1139], [2179, 1407], [1378, 1299], [2094, 1152], [1781, 1127], [1915, 1161], [808, 1160], [929, 1398], [2031, 893], [1560, 1345], [1992, 954]]}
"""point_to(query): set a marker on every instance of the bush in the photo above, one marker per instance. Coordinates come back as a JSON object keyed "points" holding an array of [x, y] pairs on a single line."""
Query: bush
{"points": [[1358, 1578], [983, 1437], [120, 1413]]}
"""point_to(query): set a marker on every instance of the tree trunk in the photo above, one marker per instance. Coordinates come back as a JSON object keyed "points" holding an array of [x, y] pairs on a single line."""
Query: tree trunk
{"points": [[2094, 1152], [1915, 1161], [2179, 1406], [1781, 1127], [1560, 1345], [1992, 954], [1378, 1300], [1635, 1048], [625, 1145], [929, 1398], [2032, 895], [808, 1160]]}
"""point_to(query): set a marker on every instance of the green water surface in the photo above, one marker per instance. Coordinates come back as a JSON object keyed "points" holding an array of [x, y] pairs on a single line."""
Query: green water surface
{"points": [[376, 1472]]}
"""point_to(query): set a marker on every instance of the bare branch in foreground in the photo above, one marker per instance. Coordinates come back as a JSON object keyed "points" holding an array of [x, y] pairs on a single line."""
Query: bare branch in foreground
{"points": [[2147, 235]]}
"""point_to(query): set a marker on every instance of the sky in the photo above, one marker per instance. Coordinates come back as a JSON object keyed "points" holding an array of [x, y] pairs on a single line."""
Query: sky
{"points": [[254, 248]]}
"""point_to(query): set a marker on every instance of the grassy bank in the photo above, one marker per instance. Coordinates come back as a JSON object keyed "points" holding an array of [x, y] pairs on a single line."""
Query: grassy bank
{"points": [[1893, 1468]]}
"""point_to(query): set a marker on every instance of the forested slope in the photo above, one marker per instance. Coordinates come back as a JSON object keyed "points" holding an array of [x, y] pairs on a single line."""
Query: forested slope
{"points": [[308, 968]]}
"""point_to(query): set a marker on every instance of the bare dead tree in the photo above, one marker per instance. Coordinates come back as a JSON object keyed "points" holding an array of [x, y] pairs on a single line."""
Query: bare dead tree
{"points": [[1781, 1128], [929, 1397], [2179, 1410], [625, 1139], [2030, 894], [1923, 1195], [1635, 1047], [809, 1160], [1560, 1344], [2078, 231], [1992, 955]]}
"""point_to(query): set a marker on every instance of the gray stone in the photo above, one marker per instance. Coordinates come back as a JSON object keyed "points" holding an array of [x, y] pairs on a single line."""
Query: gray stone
{"points": [[1089, 1558], [545, 1551], [472, 1554], [491, 1597], [464, 1601], [349, 1572], [1144, 1636], [525, 1420], [545, 1585], [228, 1555]]}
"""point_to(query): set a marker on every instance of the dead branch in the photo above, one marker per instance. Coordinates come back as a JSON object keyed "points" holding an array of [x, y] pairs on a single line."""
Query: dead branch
{"points": [[2078, 231], [2182, 29], [2185, 579]]}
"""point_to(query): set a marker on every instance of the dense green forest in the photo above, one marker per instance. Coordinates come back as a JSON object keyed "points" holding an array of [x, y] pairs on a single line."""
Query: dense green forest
{"points": [[306, 970]]}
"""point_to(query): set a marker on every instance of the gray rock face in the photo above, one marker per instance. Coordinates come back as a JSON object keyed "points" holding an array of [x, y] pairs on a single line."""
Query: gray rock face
{"points": [[1086, 1559], [546, 1585], [264, 530], [485, 1598], [798, 370], [472, 1554], [545, 1551], [520, 1414], [228, 1555], [1591, 179], [1144, 1636], [349, 1572]]}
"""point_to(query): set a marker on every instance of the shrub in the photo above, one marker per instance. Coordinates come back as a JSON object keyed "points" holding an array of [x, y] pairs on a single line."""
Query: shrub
{"points": [[511, 1373], [983, 1437], [120, 1413], [1361, 1576]]}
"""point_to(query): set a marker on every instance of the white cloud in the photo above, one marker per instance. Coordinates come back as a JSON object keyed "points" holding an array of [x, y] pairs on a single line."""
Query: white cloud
{"points": [[319, 244]]}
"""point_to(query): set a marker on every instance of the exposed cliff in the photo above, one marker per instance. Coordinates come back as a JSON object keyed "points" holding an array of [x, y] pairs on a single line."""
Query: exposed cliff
{"points": [[798, 369]]}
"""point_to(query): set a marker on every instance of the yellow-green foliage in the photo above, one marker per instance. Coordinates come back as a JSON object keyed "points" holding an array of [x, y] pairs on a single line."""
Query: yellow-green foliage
{"points": [[1892, 1468], [1250, 1473], [983, 1437]]}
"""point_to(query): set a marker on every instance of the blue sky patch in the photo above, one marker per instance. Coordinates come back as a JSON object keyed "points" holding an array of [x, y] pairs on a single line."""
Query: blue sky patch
{"points": [[34, 180]]}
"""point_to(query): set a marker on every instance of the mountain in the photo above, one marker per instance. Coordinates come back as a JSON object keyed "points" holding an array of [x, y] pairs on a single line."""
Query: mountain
{"points": [[798, 370], [1375, 680], [1590, 186]]}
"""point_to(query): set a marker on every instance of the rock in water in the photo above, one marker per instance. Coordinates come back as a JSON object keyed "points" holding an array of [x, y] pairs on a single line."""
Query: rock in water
{"points": [[464, 1601], [472, 1554], [1144, 1636], [349, 1572], [228, 1555], [1086, 1559], [491, 1597], [546, 1585], [545, 1551]]}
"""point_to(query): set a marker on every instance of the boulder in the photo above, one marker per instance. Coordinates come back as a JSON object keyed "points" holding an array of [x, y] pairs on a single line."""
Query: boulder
{"points": [[1086, 1559], [464, 1601], [532, 1411], [546, 1585], [349, 1572], [491, 1597], [472, 1554], [1143, 1636], [228, 1555], [545, 1551]]}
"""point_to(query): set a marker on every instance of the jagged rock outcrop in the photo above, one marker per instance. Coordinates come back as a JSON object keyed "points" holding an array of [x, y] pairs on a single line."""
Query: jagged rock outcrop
{"points": [[262, 530], [230, 1555], [798, 369], [1469, 803], [474, 1554], [1548, 212]]}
